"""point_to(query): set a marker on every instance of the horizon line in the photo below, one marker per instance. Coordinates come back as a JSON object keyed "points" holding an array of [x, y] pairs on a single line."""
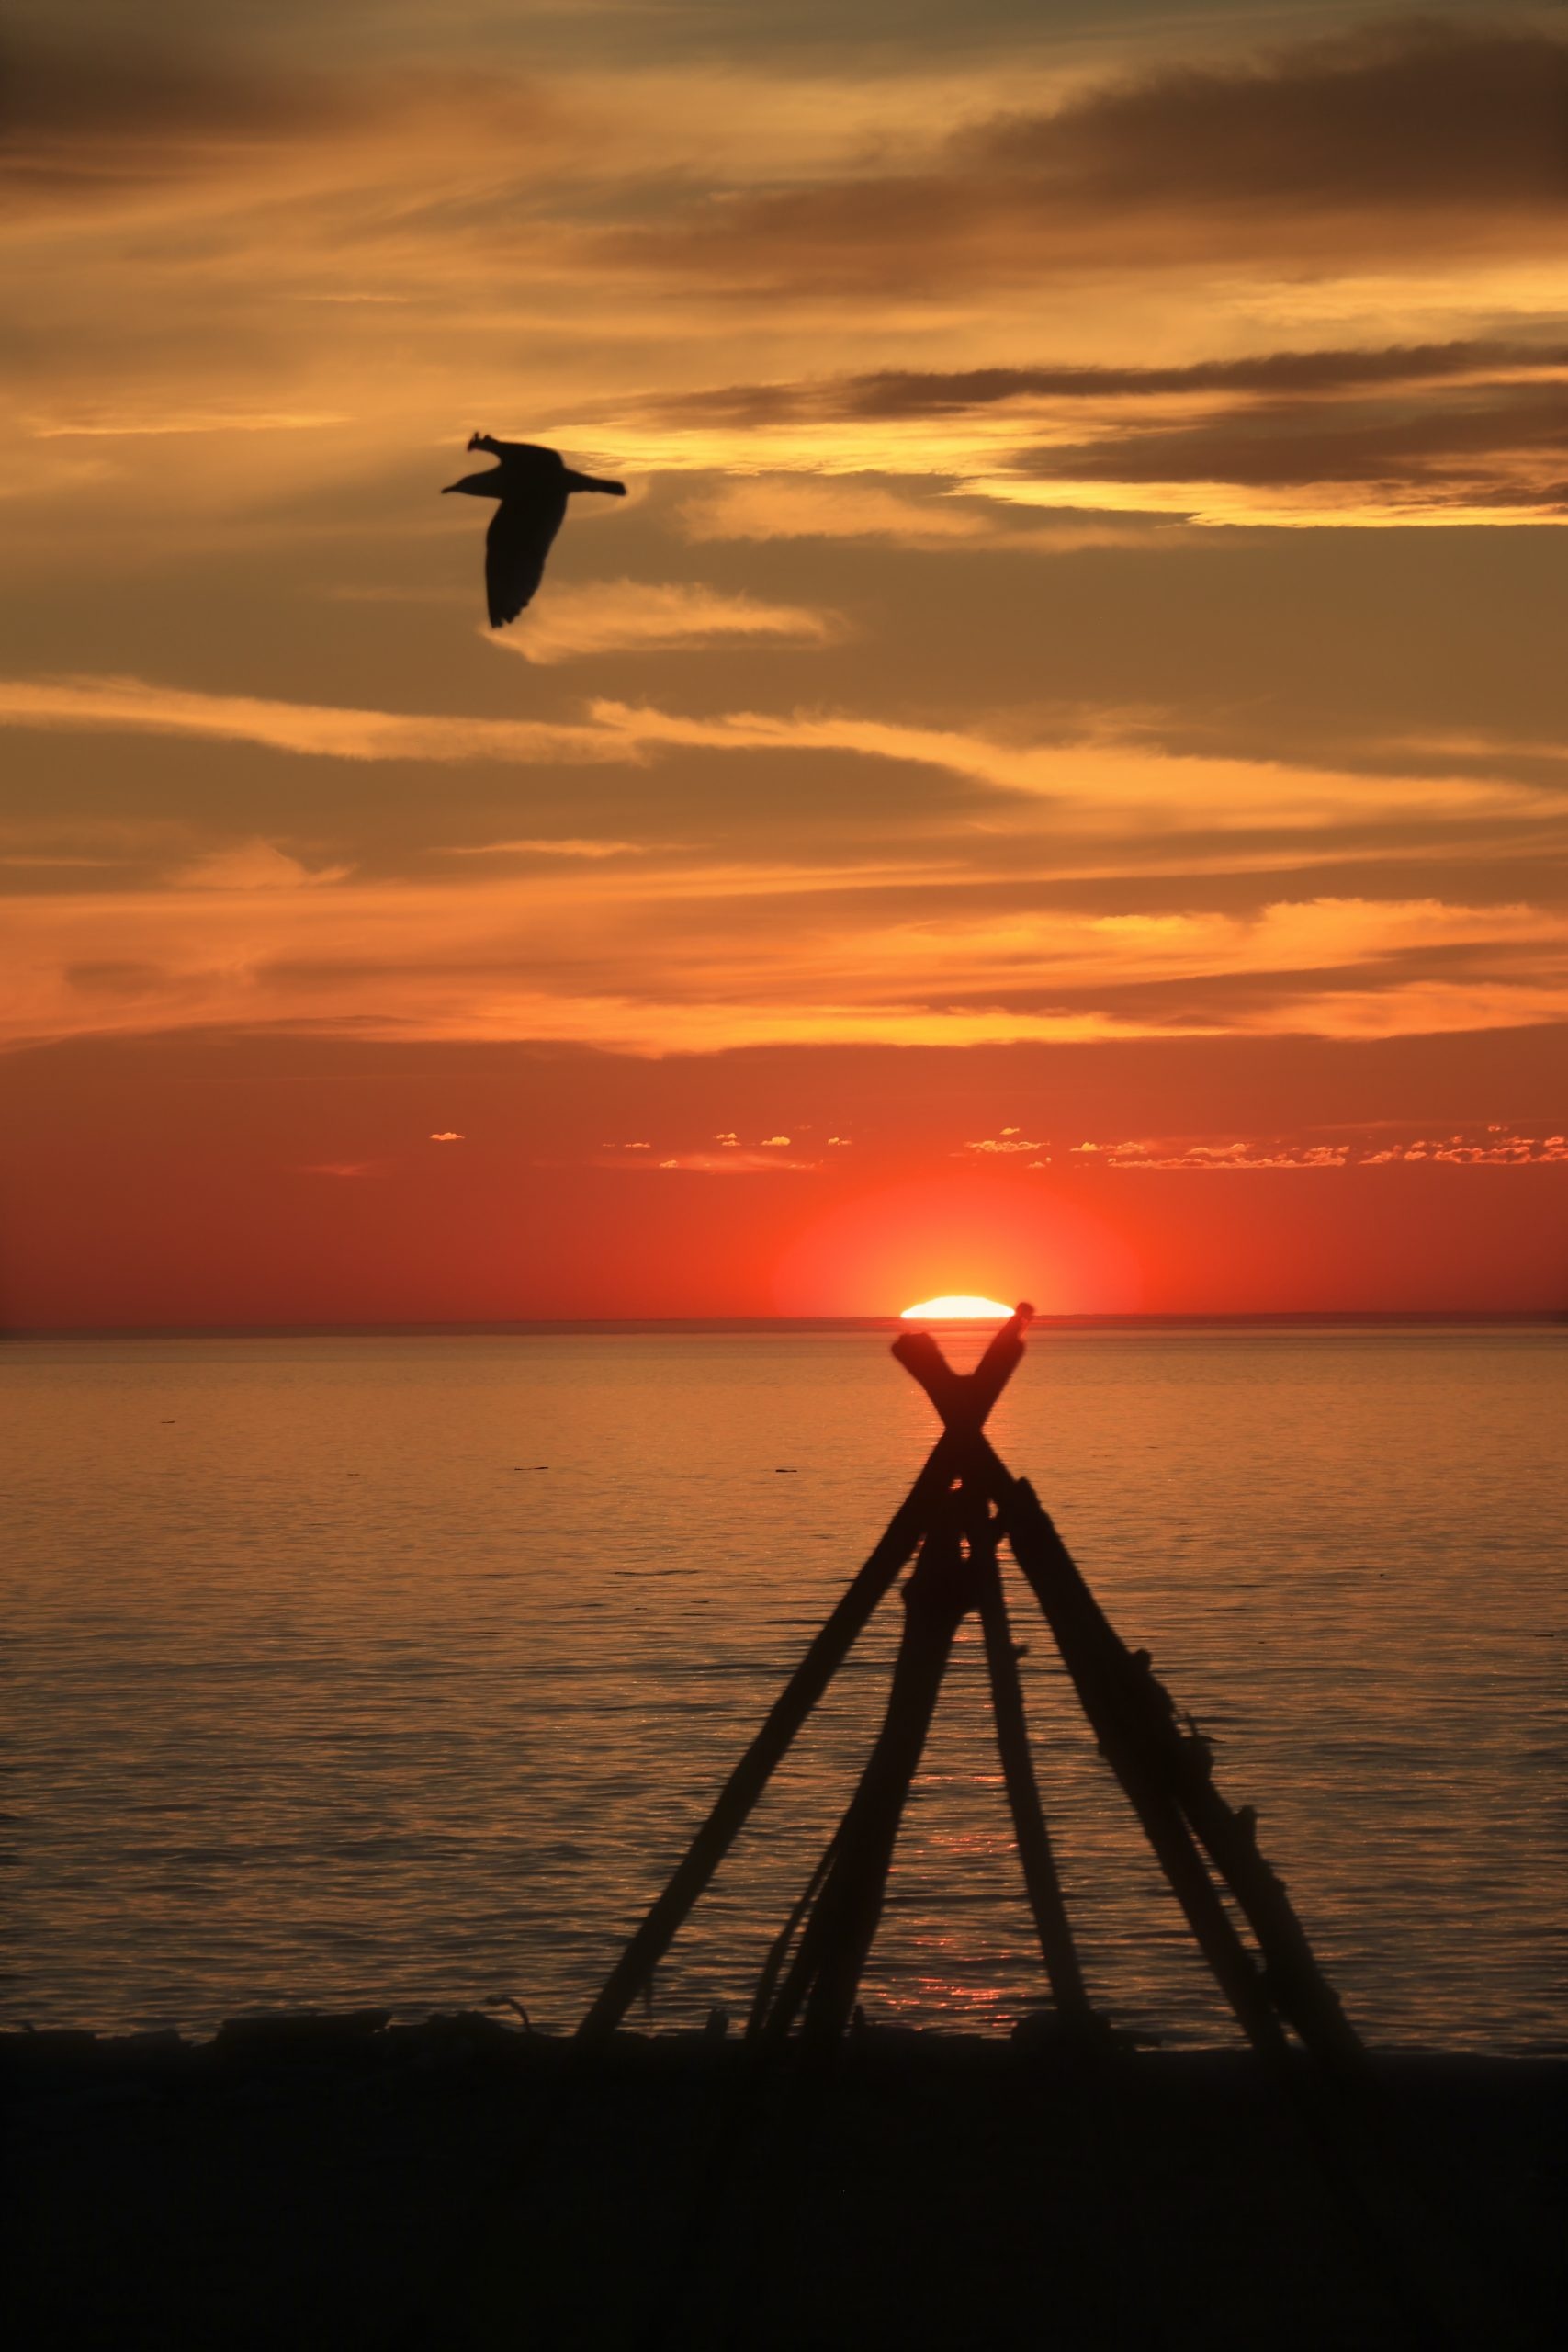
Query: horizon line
{"points": [[614, 1325]]}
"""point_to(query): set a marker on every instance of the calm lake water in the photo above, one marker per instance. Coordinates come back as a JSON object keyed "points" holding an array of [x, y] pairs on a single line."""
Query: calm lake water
{"points": [[399, 1671]]}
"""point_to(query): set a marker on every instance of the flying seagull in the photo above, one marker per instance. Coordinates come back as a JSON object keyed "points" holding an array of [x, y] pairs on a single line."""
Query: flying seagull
{"points": [[531, 486]]}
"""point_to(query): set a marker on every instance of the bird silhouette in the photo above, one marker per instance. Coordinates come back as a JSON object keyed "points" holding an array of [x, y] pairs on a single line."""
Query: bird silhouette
{"points": [[531, 486]]}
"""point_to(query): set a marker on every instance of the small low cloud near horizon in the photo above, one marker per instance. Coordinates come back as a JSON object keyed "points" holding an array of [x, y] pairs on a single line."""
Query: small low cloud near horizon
{"points": [[1072, 701]]}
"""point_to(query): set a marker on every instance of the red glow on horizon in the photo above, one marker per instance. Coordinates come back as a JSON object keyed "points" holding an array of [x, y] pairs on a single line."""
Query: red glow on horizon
{"points": [[158, 1183], [989, 1234]]}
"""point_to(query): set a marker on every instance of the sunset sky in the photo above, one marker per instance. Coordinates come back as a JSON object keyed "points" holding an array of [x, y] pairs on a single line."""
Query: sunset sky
{"points": [[1054, 782]]}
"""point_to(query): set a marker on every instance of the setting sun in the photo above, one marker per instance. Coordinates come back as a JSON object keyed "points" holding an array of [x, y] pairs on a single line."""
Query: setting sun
{"points": [[956, 1307]]}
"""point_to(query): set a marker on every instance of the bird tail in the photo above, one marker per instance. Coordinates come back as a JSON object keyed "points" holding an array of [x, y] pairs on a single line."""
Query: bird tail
{"points": [[594, 481]]}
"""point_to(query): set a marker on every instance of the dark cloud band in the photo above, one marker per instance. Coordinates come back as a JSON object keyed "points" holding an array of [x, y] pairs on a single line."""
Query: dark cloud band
{"points": [[1412, 138]]}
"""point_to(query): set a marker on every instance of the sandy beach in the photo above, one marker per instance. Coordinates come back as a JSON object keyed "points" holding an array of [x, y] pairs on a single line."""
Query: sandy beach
{"points": [[461, 2182]]}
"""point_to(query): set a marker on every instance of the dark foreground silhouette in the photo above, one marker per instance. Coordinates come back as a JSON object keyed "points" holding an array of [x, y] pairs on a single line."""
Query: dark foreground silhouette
{"points": [[531, 486], [331, 2186]]}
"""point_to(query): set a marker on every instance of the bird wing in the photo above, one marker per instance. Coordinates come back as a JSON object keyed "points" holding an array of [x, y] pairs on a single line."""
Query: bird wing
{"points": [[521, 532]]}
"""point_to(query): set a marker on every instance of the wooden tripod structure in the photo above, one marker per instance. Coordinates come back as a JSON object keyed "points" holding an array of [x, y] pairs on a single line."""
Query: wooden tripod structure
{"points": [[963, 1502]]}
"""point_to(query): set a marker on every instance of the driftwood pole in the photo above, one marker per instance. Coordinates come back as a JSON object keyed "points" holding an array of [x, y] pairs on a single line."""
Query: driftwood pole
{"points": [[1041, 1882], [1166, 1774], [826, 1971]]}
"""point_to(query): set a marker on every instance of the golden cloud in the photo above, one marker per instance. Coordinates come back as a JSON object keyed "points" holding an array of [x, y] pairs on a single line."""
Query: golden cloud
{"points": [[681, 967], [1463, 430], [806, 506], [640, 615], [1100, 790], [319, 730]]}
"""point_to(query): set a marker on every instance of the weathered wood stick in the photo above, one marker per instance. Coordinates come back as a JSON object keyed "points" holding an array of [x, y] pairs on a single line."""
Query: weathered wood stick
{"points": [[750, 1776], [1300, 1990], [1144, 1727], [1067, 1603], [1040, 1876], [778, 1951], [827, 1966]]}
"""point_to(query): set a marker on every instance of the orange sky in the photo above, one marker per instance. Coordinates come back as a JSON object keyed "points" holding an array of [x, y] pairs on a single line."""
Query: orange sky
{"points": [[1053, 782]]}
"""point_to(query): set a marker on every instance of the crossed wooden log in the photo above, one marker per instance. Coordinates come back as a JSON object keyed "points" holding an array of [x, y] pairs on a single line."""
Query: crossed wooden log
{"points": [[963, 1502]]}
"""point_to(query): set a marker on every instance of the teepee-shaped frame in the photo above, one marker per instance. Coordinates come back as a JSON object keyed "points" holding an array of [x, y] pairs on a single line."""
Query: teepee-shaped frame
{"points": [[963, 1503]]}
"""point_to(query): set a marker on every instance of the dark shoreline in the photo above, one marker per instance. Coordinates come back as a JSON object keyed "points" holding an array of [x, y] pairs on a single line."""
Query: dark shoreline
{"points": [[347, 2183]]}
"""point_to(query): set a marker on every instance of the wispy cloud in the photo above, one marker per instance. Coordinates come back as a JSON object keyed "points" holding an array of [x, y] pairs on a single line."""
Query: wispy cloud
{"points": [[1098, 785], [118, 426], [1496, 1147], [1412, 137], [685, 967], [648, 616], [317, 730], [734, 1163], [569, 846], [1489, 450], [1470, 429], [257, 866], [1492, 1146], [896, 393], [797, 507], [1210, 1159], [130, 123]]}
